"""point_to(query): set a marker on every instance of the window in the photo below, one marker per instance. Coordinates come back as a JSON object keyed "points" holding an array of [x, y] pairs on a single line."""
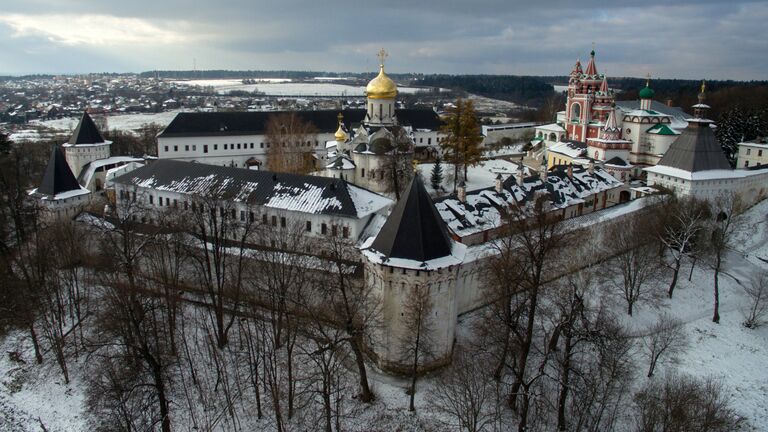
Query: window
{"points": [[323, 229], [233, 213], [186, 148], [362, 174], [151, 199], [168, 202], [309, 226], [175, 203], [166, 148], [749, 151], [251, 145], [274, 220], [194, 148], [429, 140], [251, 216], [334, 229], [225, 146], [215, 147], [282, 222], [746, 164], [205, 148], [186, 205], [261, 145], [264, 218], [238, 146], [759, 152], [242, 215], [345, 232]]}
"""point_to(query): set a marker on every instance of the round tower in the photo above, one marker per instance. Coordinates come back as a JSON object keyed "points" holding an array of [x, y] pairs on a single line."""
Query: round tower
{"points": [[412, 266], [85, 145]]}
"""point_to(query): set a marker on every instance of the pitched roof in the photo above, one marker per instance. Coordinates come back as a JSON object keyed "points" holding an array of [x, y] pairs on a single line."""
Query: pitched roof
{"points": [[255, 122], [58, 177], [414, 230], [294, 192], [696, 149], [86, 132]]}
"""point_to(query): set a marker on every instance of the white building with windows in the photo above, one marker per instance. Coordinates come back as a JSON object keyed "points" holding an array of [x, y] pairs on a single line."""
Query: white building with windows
{"points": [[752, 153]]}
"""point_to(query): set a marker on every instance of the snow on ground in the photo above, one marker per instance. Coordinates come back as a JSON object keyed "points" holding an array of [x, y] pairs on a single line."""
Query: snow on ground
{"points": [[727, 350], [482, 175], [287, 88], [125, 122]]}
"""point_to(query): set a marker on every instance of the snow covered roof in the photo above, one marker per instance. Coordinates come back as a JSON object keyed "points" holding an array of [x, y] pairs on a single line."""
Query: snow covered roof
{"points": [[714, 174], [569, 148], [553, 127], [90, 168], [677, 114], [484, 209], [301, 193], [341, 163], [662, 129], [618, 162]]}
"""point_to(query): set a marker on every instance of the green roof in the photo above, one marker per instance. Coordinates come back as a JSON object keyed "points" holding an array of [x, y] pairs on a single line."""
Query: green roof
{"points": [[646, 93], [661, 129]]}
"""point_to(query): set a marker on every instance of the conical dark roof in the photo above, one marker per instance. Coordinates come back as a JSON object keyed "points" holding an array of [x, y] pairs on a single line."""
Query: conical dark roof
{"points": [[696, 149], [86, 132], [414, 230], [58, 177]]}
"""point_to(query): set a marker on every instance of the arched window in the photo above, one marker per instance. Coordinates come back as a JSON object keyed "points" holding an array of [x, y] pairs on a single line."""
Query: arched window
{"points": [[575, 112]]}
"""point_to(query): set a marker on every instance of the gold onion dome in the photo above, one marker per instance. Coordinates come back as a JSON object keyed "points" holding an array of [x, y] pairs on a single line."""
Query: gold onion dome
{"points": [[381, 87], [340, 135]]}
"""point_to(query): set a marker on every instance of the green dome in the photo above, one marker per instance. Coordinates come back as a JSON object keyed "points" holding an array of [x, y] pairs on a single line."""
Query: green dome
{"points": [[646, 93]]}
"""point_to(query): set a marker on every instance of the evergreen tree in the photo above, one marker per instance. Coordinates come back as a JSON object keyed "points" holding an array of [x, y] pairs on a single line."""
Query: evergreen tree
{"points": [[737, 125], [436, 179], [461, 145]]}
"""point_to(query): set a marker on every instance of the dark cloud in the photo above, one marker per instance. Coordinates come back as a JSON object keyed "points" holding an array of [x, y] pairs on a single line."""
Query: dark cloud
{"points": [[688, 38]]}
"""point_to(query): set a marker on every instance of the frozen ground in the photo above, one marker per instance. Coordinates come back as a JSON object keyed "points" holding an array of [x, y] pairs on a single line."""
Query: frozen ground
{"points": [[125, 122], [287, 88], [31, 394]]}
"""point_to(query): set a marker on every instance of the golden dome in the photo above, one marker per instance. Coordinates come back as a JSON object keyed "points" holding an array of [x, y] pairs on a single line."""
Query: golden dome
{"points": [[340, 135], [381, 87]]}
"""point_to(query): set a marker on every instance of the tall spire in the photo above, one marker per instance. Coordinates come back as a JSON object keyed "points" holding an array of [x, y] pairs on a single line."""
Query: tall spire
{"points": [[700, 109], [577, 68], [86, 132], [611, 130], [604, 85], [591, 68]]}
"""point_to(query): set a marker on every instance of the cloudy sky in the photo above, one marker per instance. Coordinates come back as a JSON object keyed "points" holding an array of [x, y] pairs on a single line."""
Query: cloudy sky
{"points": [[682, 38]]}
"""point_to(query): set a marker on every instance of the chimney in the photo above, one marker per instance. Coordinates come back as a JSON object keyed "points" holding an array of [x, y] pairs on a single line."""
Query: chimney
{"points": [[591, 167], [499, 183], [669, 102], [461, 192], [519, 175], [570, 171], [543, 174]]}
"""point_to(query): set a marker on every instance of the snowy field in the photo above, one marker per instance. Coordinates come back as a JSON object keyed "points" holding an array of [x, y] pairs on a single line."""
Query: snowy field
{"points": [[125, 122], [275, 87], [31, 396]]}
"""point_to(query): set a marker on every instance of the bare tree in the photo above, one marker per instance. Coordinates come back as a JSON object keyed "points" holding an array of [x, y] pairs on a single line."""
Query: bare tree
{"points": [[757, 295], [416, 343], [349, 303], [682, 221], [466, 393], [682, 403], [222, 229], [722, 232], [665, 337], [515, 276], [398, 165], [290, 143], [637, 262]]}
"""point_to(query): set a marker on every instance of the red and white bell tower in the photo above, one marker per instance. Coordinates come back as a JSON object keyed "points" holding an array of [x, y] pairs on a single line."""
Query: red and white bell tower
{"points": [[589, 102]]}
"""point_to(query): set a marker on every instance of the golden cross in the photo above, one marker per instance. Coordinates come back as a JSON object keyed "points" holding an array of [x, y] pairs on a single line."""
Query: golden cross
{"points": [[703, 86], [382, 55], [340, 117], [647, 79]]}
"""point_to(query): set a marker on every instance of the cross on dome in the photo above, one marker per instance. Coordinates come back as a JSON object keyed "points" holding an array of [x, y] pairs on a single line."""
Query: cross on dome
{"points": [[382, 55]]}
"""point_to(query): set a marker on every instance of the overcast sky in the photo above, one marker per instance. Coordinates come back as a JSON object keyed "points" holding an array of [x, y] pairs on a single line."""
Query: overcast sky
{"points": [[725, 39]]}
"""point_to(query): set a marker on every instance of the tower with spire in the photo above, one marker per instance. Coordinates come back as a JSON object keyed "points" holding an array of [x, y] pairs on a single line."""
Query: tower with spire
{"points": [[380, 93], [589, 100]]}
